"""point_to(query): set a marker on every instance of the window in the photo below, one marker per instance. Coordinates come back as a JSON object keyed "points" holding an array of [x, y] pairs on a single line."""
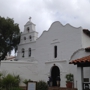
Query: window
{"points": [[28, 29], [24, 38], [86, 80], [55, 51], [30, 38], [29, 52], [23, 51]]}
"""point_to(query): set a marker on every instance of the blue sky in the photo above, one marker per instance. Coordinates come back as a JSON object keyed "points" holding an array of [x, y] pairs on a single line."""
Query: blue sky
{"points": [[45, 12]]}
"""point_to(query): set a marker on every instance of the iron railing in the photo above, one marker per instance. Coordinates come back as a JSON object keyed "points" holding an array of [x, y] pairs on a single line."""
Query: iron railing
{"points": [[86, 86]]}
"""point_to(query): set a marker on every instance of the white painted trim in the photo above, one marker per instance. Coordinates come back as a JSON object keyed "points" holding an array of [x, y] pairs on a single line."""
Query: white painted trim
{"points": [[55, 61], [75, 53], [27, 43], [19, 62], [54, 42], [29, 32]]}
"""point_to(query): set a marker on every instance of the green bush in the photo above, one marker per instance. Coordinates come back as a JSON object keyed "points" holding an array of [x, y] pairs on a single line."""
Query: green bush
{"points": [[69, 77], [1, 75], [16, 88], [41, 85], [26, 81], [9, 82]]}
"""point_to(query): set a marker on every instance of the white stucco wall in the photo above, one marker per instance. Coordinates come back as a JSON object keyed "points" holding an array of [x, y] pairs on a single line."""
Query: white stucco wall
{"points": [[67, 39], [26, 69], [31, 45]]}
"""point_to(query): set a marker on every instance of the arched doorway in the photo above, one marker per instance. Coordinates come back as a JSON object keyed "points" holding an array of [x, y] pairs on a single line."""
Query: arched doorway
{"points": [[55, 72]]}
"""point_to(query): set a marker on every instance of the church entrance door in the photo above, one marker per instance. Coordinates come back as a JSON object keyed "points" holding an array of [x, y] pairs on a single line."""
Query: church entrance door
{"points": [[55, 72]]}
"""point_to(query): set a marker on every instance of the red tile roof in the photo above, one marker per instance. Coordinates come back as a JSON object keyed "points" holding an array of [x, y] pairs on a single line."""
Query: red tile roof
{"points": [[87, 49], [87, 32], [81, 60]]}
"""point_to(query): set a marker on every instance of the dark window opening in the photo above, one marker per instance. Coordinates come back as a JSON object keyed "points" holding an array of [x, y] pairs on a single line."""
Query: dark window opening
{"points": [[23, 51], [86, 80], [30, 38], [55, 51], [29, 52], [24, 38], [28, 29]]}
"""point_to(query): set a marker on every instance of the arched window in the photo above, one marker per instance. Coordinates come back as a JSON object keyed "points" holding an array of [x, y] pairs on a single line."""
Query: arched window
{"points": [[28, 29], [23, 51], [30, 38], [29, 52], [55, 51]]}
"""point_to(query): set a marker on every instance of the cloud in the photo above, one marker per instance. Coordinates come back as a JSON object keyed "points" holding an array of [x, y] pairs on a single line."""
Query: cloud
{"points": [[75, 12], [45, 12]]}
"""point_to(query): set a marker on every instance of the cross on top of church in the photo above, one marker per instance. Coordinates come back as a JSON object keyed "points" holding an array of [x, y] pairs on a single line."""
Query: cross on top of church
{"points": [[30, 19]]}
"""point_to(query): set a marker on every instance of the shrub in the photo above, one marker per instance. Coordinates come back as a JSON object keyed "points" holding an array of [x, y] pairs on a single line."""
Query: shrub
{"points": [[26, 81], [69, 77], [16, 88], [41, 85], [8, 82]]}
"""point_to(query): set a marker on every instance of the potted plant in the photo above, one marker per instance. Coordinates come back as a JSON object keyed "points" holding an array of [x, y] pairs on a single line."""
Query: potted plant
{"points": [[69, 80]]}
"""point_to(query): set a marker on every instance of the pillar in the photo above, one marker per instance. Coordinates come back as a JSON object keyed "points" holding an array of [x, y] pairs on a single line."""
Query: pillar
{"points": [[79, 78]]}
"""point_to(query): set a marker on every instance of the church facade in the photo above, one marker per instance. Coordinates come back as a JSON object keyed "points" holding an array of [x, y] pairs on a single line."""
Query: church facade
{"points": [[49, 55]]}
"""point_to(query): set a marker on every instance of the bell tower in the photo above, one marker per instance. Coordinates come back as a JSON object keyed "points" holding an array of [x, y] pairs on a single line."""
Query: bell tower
{"points": [[29, 26], [27, 44], [29, 34]]}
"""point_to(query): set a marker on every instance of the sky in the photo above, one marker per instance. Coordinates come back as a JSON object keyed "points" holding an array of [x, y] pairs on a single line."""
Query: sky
{"points": [[45, 12]]}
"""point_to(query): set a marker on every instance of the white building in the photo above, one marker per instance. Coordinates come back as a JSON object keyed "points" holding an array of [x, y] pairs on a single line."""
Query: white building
{"points": [[50, 54]]}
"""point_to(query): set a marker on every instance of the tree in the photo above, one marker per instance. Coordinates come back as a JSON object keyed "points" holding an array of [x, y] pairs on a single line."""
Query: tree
{"points": [[9, 36]]}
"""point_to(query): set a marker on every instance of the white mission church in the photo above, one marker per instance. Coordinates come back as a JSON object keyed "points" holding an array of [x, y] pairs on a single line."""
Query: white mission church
{"points": [[50, 54]]}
